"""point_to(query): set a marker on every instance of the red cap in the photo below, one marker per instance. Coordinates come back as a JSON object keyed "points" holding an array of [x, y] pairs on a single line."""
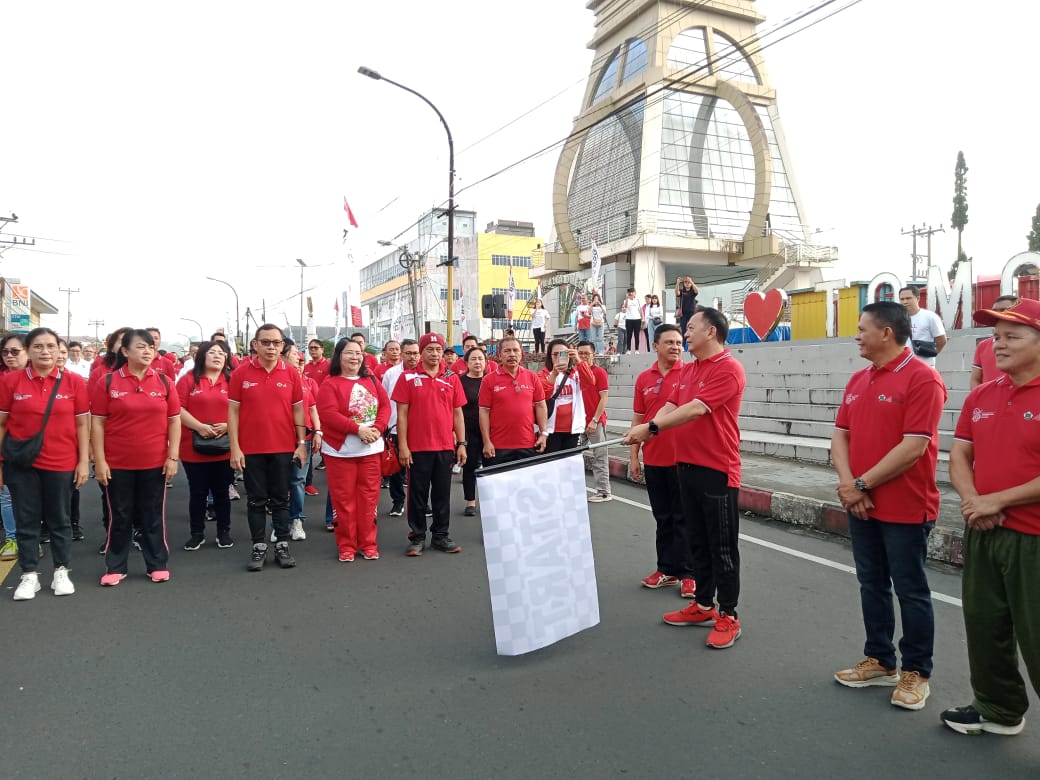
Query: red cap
{"points": [[1025, 312], [430, 338]]}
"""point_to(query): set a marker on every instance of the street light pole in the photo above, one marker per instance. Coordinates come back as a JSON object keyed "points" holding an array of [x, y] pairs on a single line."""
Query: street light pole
{"points": [[202, 335], [239, 344], [303, 330], [372, 74]]}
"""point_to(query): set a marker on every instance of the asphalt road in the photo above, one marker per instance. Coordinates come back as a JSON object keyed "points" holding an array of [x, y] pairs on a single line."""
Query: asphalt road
{"points": [[388, 669]]}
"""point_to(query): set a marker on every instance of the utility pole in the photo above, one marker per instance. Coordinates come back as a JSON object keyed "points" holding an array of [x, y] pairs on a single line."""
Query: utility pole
{"points": [[68, 310], [96, 324], [925, 232]]}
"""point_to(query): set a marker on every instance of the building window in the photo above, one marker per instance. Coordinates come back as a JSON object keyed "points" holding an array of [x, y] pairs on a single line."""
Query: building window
{"points": [[444, 294], [609, 78], [635, 60], [521, 295], [516, 260]]}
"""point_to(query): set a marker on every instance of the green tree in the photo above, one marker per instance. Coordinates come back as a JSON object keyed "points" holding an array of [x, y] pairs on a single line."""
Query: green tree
{"points": [[960, 201], [1034, 235]]}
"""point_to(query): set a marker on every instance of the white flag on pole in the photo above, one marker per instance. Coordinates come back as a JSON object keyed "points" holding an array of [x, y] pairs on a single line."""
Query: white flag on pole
{"points": [[538, 547], [595, 265], [396, 329]]}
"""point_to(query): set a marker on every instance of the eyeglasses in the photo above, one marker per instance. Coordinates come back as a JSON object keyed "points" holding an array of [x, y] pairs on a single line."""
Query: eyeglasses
{"points": [[11, 352], [270, 342]]}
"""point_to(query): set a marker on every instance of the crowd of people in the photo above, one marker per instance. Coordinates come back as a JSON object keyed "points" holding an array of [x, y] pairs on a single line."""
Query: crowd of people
{"points": [[132, 415]]}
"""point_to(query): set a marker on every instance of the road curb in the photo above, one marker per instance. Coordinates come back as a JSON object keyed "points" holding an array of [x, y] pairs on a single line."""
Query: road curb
{"points": [[944, 545]]}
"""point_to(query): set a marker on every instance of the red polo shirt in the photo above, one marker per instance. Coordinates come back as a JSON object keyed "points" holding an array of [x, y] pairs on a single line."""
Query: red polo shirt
{"points": [[904, 397], [207, 402], [591, 399], [985, 360], [317, 370], [165, 364], [652, 391], [510, 401], [265, 402], [712, 441], [23, 397], [310, 399], [1002, 422], [432, 401], [136, 414]]}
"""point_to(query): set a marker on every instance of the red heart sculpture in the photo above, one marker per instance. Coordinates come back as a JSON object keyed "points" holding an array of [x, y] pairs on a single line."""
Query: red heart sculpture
{"points": [[763, 312]]}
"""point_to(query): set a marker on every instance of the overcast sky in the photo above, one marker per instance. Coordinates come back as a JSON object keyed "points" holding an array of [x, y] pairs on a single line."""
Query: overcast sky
{"points": [[153, 145]]}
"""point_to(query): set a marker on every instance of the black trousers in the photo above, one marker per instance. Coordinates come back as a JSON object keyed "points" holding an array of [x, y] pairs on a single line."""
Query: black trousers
{"points": [[137, 496], [510, 456], [556, 442], [397, 494], [474, 459], [204, 478], [267, 484], [429, 478], [632, 329], [710, 508], [74, 507], [674, 545], [35, 495], [539, 339]]}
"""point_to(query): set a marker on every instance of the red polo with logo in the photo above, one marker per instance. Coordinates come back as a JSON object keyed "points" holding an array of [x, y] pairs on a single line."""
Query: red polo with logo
{"points": [[1002, 422], [510, 401], [432, 401], [591, 399], [713, 440], [985, 360], [23, 397], [310, 398], [904, 397], [265, 401], [653, 389], [137, 414], [317, 370], [207, 402]]}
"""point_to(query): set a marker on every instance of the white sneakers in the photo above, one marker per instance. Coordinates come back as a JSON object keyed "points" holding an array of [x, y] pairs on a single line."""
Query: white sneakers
{"points": [[61, 584], [29, 585], [296, 530]]}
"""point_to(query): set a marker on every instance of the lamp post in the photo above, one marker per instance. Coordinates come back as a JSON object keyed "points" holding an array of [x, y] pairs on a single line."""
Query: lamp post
{"points": [[372, 74], [202, 334], [303, 329], [239, 344]]}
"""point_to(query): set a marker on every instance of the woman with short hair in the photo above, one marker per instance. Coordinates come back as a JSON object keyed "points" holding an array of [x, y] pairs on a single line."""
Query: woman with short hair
{"points": [[203, 396], [42, 488], [136, 434], [354, 410]]}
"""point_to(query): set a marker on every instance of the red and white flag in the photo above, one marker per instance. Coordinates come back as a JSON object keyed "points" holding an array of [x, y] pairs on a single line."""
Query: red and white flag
{"points": [[510, 294], [350, 214]]}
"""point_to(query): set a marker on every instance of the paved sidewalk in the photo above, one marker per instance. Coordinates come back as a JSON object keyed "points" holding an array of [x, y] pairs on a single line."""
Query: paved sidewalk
{"points": [[802, 494]]}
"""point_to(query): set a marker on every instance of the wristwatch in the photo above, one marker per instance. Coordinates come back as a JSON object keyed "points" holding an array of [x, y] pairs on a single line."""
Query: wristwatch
{"points": [[460, 444], [654, 430], [861, 486]]}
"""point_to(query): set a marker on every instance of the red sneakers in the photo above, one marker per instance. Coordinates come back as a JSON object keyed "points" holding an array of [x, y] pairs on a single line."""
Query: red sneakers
{"points": [[659, 580], [725, 632], [310, 490], [687, 588], [693, 615]]}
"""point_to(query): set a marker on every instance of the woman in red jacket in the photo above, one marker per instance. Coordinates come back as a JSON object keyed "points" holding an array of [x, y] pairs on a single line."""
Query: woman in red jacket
{"points": [[354, 410], [136, 435], [203, 393], [43, 489]]}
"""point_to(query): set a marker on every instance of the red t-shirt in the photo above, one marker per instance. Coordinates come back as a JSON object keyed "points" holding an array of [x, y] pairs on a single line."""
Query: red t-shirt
{"points": [[510, 401], [432, 401], [23, 397], [591, 399], [583, 318], [904, 397], [652, 391], [985, 360], [136, 414], [207, 402], [1002, 422], [310, 400], [317, 370], [166, 365], [265, 399], [713, 440], [339, 414]]}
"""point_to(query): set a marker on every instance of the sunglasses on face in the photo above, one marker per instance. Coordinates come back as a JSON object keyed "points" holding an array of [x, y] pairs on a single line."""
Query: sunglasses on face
{"points": [[11, 352], [270, 342]]}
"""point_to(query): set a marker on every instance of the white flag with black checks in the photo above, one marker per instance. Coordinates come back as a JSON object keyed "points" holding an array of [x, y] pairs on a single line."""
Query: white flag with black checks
{"points": [[539, 554]]}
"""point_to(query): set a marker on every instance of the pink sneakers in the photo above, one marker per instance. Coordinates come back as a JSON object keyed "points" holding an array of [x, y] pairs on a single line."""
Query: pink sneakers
{"points": [[112, 579], [160, 575], [725, 632]]}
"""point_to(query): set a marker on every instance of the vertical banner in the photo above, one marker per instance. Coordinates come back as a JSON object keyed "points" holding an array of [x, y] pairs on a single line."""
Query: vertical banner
{"points": [[538, 547], [462, 311], [510, 293], [595, 266], [396, 329]]}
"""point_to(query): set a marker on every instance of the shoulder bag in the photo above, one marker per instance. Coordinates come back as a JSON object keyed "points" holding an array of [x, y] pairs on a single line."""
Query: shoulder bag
{"points": [[24, 452]]}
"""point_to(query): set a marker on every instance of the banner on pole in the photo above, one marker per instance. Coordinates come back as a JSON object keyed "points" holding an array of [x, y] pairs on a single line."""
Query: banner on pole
{"points": [[538, 546]]}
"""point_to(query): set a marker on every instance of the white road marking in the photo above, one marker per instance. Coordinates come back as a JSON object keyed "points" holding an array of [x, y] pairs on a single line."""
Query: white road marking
{"points": [[795, 553]]}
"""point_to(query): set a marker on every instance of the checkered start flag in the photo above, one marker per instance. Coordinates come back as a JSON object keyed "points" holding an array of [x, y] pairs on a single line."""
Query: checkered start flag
{"points": [[538, 546]]}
